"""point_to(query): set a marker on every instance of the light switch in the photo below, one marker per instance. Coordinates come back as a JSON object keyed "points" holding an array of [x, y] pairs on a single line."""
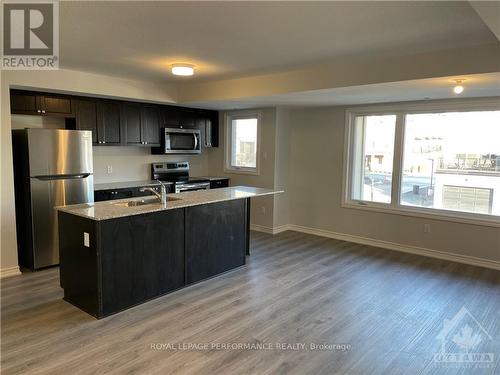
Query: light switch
{"points": [[86, 239]]}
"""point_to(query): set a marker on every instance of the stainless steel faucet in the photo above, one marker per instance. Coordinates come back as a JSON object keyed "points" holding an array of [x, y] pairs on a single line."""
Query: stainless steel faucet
{"points": [[162, 195]]}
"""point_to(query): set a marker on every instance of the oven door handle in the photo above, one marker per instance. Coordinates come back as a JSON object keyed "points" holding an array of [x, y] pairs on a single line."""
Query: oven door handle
{"points": [[194, 186], [197, 186], [195, 141]]}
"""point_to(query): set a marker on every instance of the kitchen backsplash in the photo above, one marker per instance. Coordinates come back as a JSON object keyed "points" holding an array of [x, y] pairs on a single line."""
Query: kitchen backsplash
{"points": [[134, 163]]}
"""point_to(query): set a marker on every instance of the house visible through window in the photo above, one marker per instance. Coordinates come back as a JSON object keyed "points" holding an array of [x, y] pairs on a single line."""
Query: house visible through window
{"points": [[451, 161], [441, 161], [242, 136]]}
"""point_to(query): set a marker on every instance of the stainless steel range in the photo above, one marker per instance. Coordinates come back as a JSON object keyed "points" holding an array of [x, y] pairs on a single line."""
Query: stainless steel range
{"points": [[178, 173]]}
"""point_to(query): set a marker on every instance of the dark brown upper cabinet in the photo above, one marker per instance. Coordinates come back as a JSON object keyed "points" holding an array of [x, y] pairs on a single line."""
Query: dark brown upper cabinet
{"points": [[187, 119], [55, 105], [114, 122], [208, 123], [31, 103], [131, 119], [150, 125], [86, 116], [141, 124], [23, 103], [171, 117], [179, 117], [108, 123]]}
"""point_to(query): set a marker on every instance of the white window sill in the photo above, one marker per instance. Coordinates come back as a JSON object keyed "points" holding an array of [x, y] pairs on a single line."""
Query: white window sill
{"points": [[242, 171], [432, 214]]}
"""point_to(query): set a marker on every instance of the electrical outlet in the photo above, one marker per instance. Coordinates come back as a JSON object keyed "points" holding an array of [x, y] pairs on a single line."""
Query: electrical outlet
{"points": [[427, 228], [109, 169], [86, 239], [263, 210]]}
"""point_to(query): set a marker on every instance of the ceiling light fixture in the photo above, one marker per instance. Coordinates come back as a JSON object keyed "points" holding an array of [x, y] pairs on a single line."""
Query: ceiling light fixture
{"points": [[182, 69], [458, 89]]}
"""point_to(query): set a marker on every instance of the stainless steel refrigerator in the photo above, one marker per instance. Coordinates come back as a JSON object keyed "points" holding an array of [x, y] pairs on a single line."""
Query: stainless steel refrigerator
{"points": [[51, 168]]}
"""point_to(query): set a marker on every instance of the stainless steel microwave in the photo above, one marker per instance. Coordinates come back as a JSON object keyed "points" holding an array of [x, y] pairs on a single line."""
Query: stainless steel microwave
{"points": [[180, 141]]}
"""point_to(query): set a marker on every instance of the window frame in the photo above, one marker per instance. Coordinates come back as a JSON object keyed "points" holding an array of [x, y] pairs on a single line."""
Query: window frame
{"points": [[395, 207], [228, 118]]}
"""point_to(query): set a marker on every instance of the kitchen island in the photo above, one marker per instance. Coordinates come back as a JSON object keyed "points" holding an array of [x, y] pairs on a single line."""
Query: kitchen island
{"points": [[117, 254]]}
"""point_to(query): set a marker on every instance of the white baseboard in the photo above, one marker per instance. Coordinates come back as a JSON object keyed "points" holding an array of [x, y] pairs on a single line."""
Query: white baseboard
{"points": [[466, 259], [269, 230], [8, 272]]}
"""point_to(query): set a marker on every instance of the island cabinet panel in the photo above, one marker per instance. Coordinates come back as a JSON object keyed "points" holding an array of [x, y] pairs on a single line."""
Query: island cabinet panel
{"points": [[79, 263], [215, 239], [107, 266], [142, 257]]}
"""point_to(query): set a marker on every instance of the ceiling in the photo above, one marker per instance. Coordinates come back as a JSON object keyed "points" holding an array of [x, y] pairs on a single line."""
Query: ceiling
{"points": [[139, 39], [477, 85]]}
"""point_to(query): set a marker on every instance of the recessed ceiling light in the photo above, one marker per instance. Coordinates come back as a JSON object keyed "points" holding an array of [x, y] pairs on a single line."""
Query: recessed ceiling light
{"points": [[458, 89], [182, 69]]}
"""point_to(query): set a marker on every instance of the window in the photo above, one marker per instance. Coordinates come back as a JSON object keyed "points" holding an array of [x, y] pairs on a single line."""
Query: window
{"points": [[373, 157], [440, 161], [242, 143]]}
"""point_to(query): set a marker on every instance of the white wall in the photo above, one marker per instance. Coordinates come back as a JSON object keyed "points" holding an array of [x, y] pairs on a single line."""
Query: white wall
{"points": [[314, 186], [282, 168], [58, 81]]}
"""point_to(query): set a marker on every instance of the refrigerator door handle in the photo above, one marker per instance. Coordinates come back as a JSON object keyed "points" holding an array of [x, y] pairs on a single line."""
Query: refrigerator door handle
{"points": [[62, 177]]}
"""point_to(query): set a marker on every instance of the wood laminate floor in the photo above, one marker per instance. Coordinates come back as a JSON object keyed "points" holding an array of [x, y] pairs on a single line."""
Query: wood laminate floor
{"points": [[388, 308]]}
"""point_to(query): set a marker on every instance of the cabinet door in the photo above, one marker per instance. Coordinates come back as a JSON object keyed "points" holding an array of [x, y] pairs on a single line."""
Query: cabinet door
{"points": [[187, 119], [101, 195], [208, 123], [54, 105], [142, 257], [150, 125], [23, 104], [108, 122], [213, 124], [171, 117], [217, 184], [131, 116], [215, 238], [86, 117], [200, 123]]}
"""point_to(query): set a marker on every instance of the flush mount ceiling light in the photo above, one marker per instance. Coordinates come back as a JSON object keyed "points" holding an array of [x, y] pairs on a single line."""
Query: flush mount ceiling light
{"points": [[182, 70], [458, 89]]}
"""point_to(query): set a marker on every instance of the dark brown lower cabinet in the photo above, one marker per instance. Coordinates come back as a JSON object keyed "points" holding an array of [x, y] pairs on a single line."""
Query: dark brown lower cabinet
{"points": [[142, 257], [215, 239], [133, 259]]}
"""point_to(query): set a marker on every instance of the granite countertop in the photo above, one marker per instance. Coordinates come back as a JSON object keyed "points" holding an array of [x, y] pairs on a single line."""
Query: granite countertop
{"points": [[112, 209], [125, 184]]}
